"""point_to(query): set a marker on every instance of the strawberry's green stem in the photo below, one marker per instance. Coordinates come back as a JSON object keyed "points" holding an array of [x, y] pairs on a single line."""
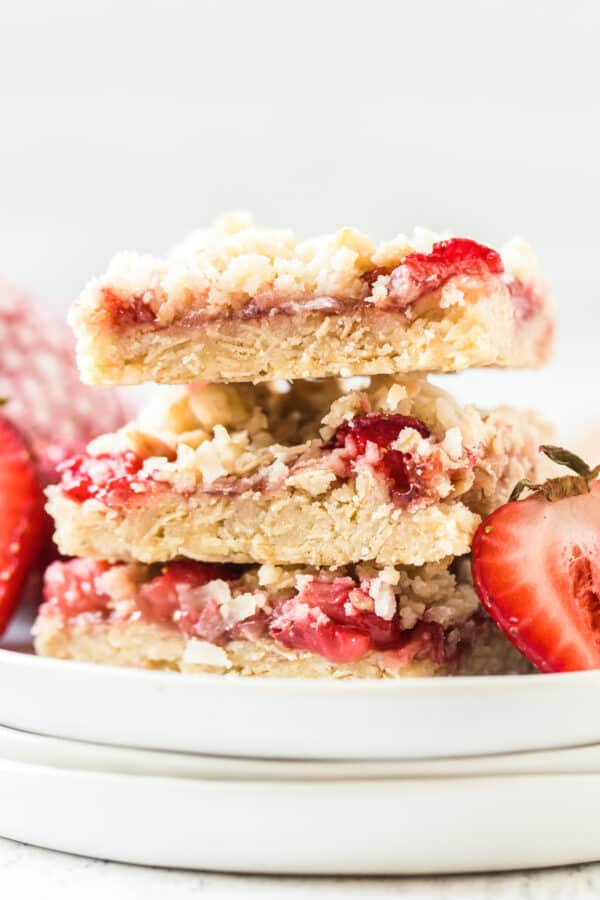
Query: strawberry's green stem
{"points": [[563, 485]]}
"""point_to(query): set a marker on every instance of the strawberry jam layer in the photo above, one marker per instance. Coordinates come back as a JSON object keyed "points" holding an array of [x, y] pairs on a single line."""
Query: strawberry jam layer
{"points": [[171, 595], [126, 312], [418, 275], [333, 617], [369, 438], [106, 477]]}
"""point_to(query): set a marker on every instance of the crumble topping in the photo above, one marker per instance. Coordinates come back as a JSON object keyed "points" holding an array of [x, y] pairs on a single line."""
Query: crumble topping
{"points": [[236, 265], [520, 260], [312, 437]]}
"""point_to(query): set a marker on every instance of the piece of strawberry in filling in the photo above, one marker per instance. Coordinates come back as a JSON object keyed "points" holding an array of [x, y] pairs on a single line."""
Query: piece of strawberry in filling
{"points": [[107, 477], [302, 627], [326, 618], [181, 594], [128, 311], [72, 589], [423, 273], [368, 439]]}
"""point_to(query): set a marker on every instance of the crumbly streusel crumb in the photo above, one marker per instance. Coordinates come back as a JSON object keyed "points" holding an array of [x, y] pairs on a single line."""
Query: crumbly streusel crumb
{"points": [[224, 267], [202, 433]]}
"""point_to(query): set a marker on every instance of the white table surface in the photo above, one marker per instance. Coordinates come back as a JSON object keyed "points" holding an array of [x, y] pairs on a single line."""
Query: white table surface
{"points": [[28, 871]]}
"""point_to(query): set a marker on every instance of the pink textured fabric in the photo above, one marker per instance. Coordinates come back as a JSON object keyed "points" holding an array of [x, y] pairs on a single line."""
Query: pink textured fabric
{"points": [[39, 378]]}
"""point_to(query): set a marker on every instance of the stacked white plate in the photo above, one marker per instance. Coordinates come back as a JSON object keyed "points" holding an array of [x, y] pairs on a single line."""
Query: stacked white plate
{"points": [[288, 776]]}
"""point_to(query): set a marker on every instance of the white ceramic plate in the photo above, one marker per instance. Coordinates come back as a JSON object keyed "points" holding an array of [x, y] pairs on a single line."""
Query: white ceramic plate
{"points": [[294, 719], [60, 753], [392, 826]]}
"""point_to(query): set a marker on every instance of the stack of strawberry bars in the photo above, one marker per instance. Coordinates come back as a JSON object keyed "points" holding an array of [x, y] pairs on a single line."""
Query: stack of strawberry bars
{"points": [[304, 504]]}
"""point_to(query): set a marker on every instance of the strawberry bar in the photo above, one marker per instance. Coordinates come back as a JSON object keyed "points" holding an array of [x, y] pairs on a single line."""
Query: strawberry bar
{"points": [[391, 470], [195, 617], [240, 303]]}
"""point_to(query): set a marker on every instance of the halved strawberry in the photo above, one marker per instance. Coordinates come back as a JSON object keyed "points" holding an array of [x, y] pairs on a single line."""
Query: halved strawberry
{"points": [[536, 568], [22, 523]]}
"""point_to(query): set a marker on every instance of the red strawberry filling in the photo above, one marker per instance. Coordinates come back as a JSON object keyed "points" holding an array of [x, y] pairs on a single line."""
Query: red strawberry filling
{"points": [[423, 273], [324, 619], [170, 597], [368, 438], [72, 588], [128, 311], [107, 477], [310, 629], [175, 596], [333, 599], [333, 618], [115, 479]]}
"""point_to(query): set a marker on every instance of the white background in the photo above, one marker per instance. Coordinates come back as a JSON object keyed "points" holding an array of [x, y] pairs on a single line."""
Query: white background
{"points": [[125, 124]]}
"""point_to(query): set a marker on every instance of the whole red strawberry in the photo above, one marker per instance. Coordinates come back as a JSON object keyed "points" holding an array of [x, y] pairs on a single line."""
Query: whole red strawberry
{"points": [[22, 519], [536, 568]]}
